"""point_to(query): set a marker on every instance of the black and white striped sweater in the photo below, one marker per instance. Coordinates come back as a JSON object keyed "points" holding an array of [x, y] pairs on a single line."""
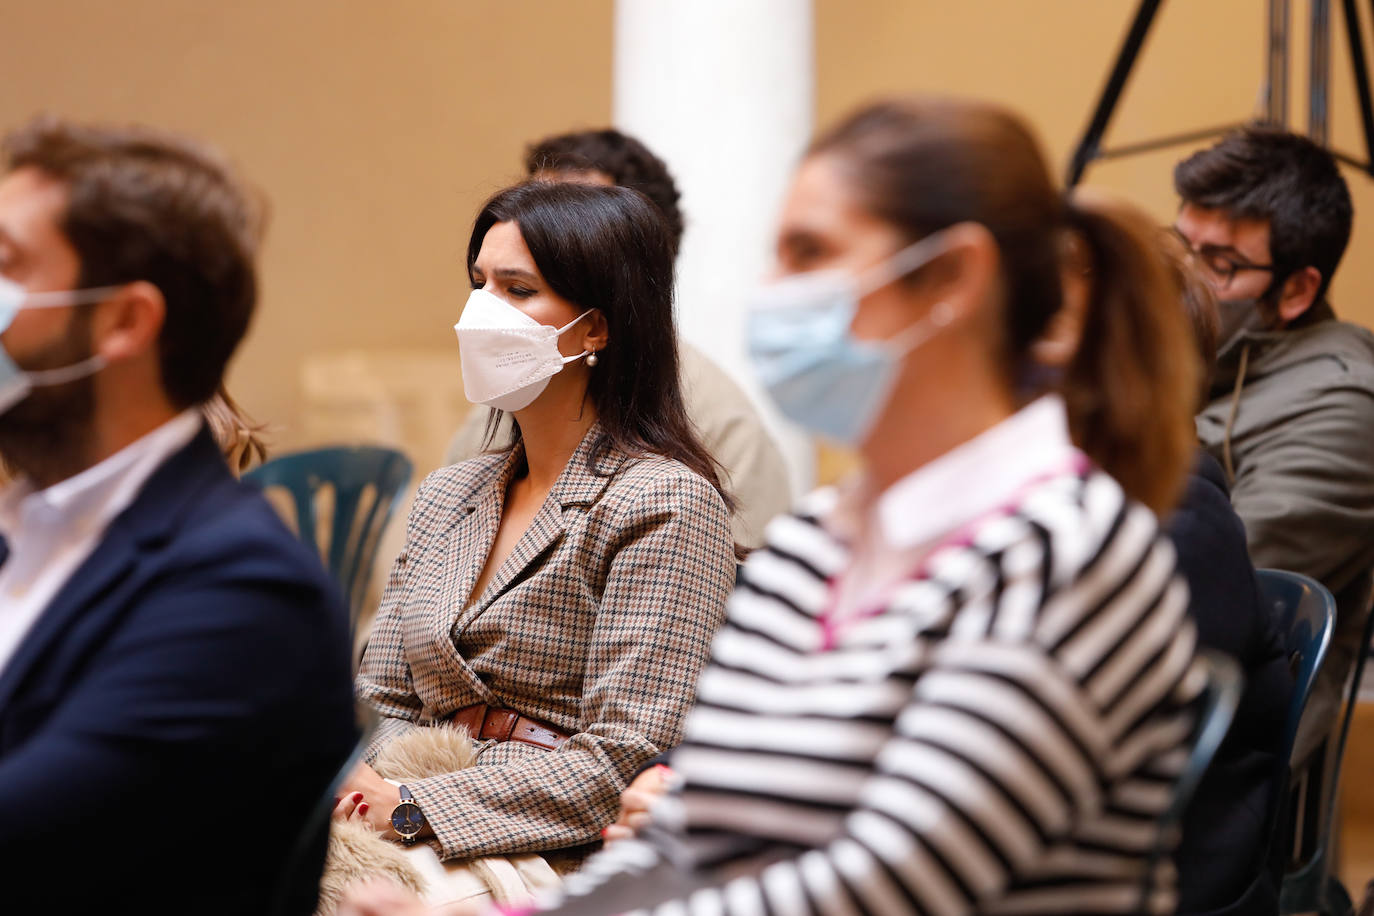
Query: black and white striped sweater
{"points": [[1001, 737]]}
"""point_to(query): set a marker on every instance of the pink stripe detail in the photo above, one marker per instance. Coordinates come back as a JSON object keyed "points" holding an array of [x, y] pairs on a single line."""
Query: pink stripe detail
{"points": [[832, 624]]}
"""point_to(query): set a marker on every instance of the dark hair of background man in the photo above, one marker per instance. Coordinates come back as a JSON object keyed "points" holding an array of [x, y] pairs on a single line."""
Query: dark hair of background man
{"points": [[142, 205], [623, 159], [1268, 174]]}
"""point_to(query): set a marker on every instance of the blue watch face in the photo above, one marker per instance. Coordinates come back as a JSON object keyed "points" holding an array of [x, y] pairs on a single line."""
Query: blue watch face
{"points": [[406, 819]]}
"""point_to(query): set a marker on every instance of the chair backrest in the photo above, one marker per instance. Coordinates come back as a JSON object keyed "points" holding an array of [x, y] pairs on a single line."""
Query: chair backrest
{"points": [[1311, 884], [366, 482], [318, 820], [1306, 612], [1225, 681]]}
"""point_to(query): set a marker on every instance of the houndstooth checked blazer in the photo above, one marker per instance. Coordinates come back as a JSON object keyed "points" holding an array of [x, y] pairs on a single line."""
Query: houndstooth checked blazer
{"points": [[599, 622]]}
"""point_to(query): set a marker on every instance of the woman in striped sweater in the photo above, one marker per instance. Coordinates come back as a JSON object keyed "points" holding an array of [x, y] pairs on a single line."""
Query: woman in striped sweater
{"points": [[963, 683]]}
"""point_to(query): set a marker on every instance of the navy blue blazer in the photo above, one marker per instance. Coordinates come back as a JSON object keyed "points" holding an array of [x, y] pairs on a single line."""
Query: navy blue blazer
{"points": [[176, 711]]}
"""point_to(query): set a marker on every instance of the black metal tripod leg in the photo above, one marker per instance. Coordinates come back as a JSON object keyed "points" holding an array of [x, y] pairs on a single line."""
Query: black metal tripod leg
{"points": [[1111, 93], [1360, 71]]}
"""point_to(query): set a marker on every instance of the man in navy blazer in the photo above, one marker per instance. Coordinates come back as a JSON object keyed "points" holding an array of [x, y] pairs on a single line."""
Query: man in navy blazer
{"points": [[175, 692]]}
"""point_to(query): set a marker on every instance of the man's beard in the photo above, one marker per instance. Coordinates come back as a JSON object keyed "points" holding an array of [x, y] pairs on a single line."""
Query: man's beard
{"points": [[47, 436]]}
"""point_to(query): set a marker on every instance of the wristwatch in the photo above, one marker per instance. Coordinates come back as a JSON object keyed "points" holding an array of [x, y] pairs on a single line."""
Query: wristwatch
{"points": [[406, 818]]}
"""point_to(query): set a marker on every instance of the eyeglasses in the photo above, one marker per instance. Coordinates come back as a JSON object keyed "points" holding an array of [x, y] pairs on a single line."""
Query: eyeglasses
{"points": [[1219, 264]]}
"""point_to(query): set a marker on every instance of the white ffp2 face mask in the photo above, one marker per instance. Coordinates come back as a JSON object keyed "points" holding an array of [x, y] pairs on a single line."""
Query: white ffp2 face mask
{"points": [[508, 357]]}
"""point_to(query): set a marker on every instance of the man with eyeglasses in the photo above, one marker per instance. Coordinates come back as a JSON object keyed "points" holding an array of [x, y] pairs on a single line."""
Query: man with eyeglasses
{"points": [[1267, 216]]}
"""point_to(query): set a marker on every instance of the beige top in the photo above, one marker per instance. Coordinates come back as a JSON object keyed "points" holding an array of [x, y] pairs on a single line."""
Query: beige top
{"points": [[730, 429]]}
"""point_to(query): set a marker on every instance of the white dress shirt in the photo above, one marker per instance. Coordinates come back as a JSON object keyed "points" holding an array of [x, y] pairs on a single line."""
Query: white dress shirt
{"points": [[51, 532], [935, 501]]}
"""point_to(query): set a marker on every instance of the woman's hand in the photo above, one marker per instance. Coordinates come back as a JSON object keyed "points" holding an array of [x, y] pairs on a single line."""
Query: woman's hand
{"points": [[379, 799], [351, 808], [640, 795]]}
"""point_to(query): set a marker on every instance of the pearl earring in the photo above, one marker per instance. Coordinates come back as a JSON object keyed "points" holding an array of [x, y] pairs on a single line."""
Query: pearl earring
{"points": [[591, 359]]}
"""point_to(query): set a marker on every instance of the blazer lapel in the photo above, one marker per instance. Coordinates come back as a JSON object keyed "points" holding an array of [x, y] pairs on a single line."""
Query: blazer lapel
{"points": [[544, 531], [578, 485], [148, 521], [481, 516]]}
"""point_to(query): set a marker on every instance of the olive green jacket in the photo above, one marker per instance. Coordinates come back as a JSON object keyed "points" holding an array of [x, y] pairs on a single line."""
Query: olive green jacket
{"points": [[1296, 436], [1301, 446]]}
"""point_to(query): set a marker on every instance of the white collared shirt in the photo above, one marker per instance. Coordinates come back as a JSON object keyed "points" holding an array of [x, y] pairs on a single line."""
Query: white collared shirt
{"points": [[51, 532], [934, 501]]}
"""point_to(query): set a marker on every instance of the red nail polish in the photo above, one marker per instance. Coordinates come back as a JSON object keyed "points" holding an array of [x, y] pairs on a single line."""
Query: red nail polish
{"points": [[357, 797], [663, 770], [362, 809], [605, 830]]}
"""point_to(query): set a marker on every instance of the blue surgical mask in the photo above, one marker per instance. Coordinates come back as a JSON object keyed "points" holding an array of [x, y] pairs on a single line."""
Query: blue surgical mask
{"points": [[801, 349], [16, 383]]}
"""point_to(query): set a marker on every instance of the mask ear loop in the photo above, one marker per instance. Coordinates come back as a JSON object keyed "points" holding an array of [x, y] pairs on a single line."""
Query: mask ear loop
{"points": [[939, 317], [89, 366], [60, 298], [589, 354], [57, 298], [908, 260], [64, 298]]}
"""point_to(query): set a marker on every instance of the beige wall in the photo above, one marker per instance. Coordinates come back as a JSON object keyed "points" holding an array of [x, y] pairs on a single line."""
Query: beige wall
{"points": [[1201, 67], [377, 128]]}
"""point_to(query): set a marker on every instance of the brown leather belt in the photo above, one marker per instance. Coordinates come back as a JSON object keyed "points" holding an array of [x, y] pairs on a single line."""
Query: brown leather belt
{"points": [[483, 721]]}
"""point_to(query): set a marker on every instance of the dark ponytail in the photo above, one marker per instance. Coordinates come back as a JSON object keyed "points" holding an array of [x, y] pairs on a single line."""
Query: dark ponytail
{"points": [[1131, 386], [923, 165]]}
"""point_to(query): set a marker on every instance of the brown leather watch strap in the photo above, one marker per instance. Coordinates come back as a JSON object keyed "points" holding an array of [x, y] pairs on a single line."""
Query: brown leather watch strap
{"points": [[492, 723]]}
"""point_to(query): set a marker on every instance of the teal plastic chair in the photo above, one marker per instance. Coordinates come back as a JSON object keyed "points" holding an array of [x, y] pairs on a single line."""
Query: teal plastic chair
{"points": [[1225, 681], [1309, 886], [367, 483], [1307, 619], [317, 822], [1306, 612]]}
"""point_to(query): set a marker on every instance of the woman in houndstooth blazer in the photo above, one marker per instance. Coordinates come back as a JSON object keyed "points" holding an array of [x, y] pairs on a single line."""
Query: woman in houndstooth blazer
{"points": [[558, 596]]}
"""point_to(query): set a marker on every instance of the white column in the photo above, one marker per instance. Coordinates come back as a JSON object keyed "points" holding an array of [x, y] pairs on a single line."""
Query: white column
{"points": [[722, 90]]}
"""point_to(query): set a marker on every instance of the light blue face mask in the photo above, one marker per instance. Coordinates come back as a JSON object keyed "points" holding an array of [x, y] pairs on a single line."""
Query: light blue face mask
{"points": [[803, 353], [15, 383]]}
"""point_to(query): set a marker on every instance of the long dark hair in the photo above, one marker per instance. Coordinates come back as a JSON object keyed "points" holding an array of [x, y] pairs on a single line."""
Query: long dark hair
{"points": [[923, 165], [608, 248]]}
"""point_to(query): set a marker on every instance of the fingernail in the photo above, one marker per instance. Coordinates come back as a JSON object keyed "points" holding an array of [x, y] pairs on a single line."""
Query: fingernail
{"points": [[362, 809], [663, 769], [605, 830], [357, 797]]}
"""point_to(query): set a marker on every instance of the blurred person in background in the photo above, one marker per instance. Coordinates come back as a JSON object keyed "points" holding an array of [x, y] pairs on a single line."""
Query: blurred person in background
{"points": [[163, 637], [1290, 414], [1227, 856], [727, 423]]}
